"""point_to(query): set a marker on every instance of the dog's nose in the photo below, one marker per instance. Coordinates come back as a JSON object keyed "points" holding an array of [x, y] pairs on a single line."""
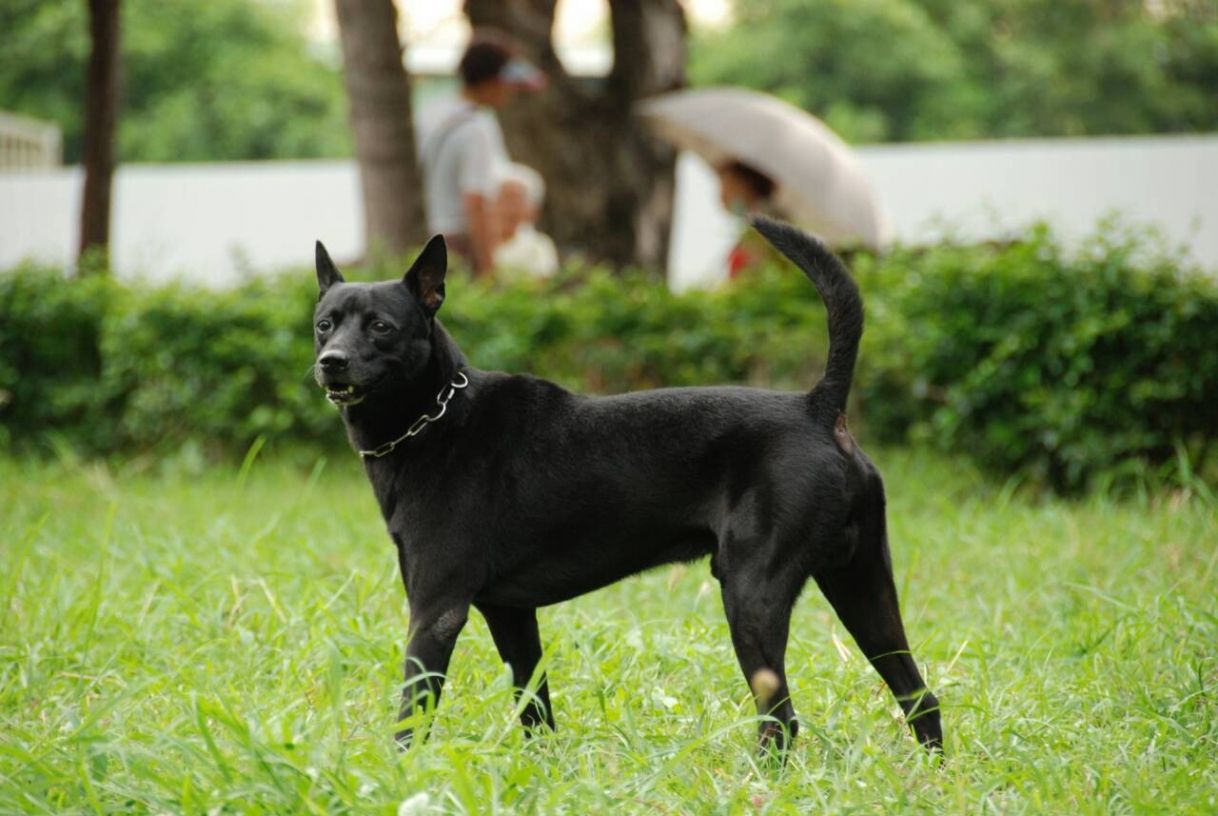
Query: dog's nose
{"points": [[333, 361]]}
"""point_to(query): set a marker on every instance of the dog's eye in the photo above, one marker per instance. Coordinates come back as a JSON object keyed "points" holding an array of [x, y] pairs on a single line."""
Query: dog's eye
{"points": [[324, 325], [381, 327]]}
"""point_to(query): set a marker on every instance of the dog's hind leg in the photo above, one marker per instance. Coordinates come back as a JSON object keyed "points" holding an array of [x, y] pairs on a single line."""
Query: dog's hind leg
{"points": [[758, 607], [865, 598], [433, 634], [519, 643]]}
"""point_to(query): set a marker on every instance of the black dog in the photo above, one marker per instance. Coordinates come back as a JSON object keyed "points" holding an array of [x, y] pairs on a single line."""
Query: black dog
{"points": [[506, 492]]}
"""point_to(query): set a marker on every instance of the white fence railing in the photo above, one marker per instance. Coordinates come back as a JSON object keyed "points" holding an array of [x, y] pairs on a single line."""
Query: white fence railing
{"points": [[28, 144]]}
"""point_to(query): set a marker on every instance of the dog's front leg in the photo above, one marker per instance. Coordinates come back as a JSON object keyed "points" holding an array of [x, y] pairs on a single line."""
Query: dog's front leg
{"points": [[433, 633]]}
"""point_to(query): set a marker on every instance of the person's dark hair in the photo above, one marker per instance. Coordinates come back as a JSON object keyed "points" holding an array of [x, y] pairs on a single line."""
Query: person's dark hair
{"points": [[761, 184], [483, 60]]}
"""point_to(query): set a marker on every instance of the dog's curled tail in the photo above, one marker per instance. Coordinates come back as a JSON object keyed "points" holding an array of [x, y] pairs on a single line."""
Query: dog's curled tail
{"points": [[843, 302]]}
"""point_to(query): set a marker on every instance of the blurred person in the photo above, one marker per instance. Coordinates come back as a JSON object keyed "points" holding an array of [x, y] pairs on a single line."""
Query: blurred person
{"points": [[745, 191], [522, 248], [461, 149]]}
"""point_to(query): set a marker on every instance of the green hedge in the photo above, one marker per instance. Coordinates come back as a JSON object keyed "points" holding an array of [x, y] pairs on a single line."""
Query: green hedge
{"points": [[1062, 368], [50, 355]]}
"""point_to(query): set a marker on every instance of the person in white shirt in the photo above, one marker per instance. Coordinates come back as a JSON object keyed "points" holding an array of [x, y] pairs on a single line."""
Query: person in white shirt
{"points": [[522, 249], [461, 149]]}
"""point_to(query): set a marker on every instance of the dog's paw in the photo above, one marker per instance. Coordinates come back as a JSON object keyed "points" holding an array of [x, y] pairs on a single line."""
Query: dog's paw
{"points": [[774, 739]]}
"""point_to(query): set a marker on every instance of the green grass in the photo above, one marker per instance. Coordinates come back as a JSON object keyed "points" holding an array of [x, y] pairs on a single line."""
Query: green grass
{"points": [[230, 641]]}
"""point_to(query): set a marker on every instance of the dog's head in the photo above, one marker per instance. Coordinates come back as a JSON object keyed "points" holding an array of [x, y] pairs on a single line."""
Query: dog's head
{"points": [[372, 337]]}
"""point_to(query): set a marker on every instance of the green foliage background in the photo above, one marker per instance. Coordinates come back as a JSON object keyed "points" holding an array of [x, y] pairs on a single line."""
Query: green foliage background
{"points": [[234, 79], [897, 70], [1066, 369], [200, 79]]}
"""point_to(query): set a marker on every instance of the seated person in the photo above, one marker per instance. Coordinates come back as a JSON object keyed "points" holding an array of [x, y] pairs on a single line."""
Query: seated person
{"points": [[521, 248]]}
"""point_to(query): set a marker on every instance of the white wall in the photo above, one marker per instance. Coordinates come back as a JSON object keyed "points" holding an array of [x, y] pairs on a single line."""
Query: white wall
{"points": [[213, 223], [219, 222], [987, 187]]}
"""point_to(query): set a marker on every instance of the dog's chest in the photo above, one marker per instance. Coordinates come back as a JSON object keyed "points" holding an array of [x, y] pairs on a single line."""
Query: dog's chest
{"points": [[392, 490], [410, 503]]}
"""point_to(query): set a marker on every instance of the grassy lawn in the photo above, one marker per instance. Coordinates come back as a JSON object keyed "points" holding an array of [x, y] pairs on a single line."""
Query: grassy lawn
{"points": [[230, 641]]}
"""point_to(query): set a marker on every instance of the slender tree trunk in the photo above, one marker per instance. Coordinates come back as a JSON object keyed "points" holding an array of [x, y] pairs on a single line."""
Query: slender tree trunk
{"points": [[101, 107], [609, 182], [648, 58], [378, 91]]}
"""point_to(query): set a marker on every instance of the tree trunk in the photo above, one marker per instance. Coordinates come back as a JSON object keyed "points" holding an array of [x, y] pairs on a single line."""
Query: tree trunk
{"points": [[378, 91], [609, 182], [101, 107]]}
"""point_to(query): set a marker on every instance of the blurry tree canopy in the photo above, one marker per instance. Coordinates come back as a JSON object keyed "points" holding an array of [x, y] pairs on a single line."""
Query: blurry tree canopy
{"points": [[897, 70], [199, 79]]}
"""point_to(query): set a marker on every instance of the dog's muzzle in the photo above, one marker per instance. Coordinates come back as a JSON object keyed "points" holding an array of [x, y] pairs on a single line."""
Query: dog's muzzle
{"points": [[332, 365]]}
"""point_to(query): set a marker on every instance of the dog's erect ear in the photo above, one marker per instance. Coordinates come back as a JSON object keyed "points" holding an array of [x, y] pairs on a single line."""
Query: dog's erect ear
{"points": [[327, 272], [425, 279]]}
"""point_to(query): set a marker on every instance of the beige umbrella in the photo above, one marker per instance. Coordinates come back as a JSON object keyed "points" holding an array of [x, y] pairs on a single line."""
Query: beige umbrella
{"points": [[819, 182]]}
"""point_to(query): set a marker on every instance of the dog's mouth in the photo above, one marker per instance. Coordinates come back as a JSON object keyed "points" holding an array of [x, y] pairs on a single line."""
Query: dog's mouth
{"points": [[346, 394]]}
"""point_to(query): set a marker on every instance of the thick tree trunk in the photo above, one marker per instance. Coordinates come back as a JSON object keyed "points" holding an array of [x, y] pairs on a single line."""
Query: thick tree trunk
{"points": [[609, 182], [101, 108], [378, 92]]}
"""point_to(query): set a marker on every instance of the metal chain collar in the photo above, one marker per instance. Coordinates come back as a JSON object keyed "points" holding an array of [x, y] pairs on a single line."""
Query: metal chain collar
{"points": [[446, 393]]}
